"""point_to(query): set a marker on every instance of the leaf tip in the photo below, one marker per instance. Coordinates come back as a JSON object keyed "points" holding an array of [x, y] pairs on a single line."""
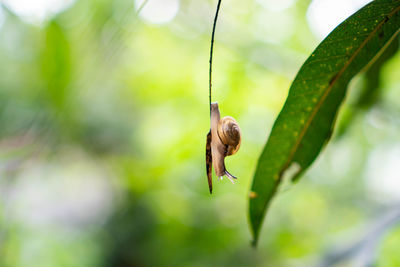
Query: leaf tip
{"points": [[254, 243], [255, 230]]}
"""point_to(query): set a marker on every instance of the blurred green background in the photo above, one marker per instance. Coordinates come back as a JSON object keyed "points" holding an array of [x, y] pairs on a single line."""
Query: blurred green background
{"points": [[103, 119]]}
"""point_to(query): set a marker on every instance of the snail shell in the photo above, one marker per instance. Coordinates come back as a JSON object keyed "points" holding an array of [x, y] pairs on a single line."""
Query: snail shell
{"points": [[223, 140], [229, 133]]}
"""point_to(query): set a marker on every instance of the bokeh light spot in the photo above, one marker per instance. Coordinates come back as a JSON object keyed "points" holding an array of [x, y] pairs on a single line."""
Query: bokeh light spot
{"points": [[383, 171], [37, 11], [324, 15], [276, 5], [158, 11]]}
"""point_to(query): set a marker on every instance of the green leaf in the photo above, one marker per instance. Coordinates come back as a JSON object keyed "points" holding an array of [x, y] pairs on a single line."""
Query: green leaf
{"points": [[305, 123]]}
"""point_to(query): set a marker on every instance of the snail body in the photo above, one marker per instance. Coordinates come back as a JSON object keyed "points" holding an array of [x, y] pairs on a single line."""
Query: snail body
{"points": [[223, 140]]}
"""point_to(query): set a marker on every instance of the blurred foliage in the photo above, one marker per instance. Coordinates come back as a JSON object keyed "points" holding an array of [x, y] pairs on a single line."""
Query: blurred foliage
{"points": [[369, 92], [103, 118]]}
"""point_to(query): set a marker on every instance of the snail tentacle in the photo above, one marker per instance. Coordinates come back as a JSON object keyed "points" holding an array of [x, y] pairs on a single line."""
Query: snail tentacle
{"points": [[230, 176]]}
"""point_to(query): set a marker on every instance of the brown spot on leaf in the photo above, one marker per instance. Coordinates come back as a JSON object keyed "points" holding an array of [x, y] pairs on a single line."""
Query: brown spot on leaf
{"points": [[386, 19], [332, 80], [253, 194]]}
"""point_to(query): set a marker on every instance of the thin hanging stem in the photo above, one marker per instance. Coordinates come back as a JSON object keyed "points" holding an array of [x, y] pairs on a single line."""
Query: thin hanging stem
{"points": [[211, 51]]}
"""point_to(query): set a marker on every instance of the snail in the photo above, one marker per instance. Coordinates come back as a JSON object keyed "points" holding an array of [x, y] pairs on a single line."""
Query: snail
{"points": [[223, 140]]}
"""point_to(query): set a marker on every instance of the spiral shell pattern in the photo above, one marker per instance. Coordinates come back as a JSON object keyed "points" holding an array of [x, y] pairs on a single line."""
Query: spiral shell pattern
{"points": [[229, 133]]}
